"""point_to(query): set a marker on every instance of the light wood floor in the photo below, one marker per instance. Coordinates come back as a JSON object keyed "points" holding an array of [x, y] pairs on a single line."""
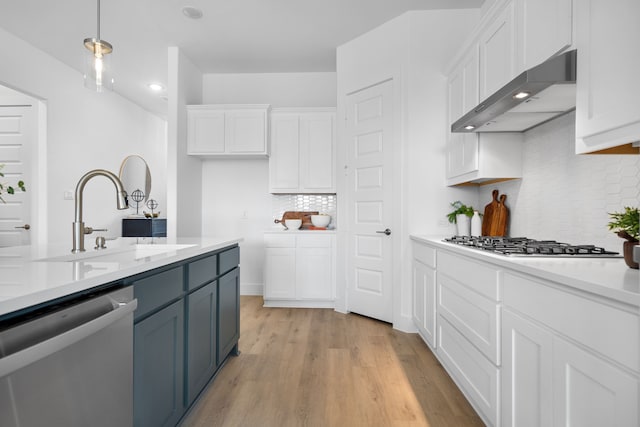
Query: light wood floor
{"points": [[316, 367]]}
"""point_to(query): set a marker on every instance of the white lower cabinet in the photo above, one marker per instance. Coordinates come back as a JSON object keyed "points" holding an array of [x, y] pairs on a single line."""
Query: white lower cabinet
{"points": [[548, 381], [468, 321], [299, 270], [477, 377], [280, 273], [523, 350], [424, 292], [588, 391], [526, 373], [568, 361]]}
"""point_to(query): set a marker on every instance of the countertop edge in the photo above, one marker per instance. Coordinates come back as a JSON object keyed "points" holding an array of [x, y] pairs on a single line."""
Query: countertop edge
{"points": [[70, 287], [519, 265]]}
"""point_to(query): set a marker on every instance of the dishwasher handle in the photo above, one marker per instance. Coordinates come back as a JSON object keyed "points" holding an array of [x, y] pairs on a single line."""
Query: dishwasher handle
{"points": [[18, 360]]}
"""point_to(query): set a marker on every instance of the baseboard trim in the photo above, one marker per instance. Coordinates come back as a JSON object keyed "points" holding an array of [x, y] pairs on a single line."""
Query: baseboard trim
{"points": [[251, 289]]}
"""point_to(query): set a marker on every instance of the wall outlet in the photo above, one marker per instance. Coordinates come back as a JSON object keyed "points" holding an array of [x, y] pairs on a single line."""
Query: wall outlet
{"points": [[68, 195]]}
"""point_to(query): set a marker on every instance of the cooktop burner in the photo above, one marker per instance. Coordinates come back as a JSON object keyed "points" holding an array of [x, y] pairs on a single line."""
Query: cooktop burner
{"points": [[522, 246]]}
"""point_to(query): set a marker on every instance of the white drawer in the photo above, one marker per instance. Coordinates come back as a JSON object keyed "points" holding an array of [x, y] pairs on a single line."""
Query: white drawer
{"points": [[279, 241], [424, 254], [604, 328], [477, 275], [476, 317], [308, 241], [474, 374]]}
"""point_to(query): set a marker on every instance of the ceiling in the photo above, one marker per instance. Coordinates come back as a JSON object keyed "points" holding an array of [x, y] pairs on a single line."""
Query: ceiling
{"points": [[233, 36]]}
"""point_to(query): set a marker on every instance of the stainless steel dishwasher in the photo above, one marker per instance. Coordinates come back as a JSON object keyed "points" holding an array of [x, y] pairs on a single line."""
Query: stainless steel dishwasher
{"points": [[70, 364]]}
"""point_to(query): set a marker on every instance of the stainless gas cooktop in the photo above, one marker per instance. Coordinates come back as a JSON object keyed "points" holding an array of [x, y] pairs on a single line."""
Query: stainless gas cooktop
{"points": [[522, 246]]}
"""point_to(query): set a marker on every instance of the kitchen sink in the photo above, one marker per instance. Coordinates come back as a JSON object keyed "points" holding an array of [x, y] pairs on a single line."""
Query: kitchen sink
{"points": [[120, 254]]}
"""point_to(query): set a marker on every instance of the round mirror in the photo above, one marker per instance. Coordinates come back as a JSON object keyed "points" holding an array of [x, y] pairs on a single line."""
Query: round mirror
{"points": [[135, 176]]}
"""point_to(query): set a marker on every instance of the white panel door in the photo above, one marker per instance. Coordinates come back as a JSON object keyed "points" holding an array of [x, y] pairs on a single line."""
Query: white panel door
{"points": [[17, 137], [369, 188]]}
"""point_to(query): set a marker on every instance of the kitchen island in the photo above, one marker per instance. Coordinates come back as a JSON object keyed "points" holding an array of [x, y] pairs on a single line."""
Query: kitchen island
{"points": [[33, 275], [530, 339], [185, 325]]}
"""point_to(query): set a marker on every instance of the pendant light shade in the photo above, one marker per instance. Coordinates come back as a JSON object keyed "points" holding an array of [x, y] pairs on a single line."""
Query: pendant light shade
{"points": [[97, 74]]}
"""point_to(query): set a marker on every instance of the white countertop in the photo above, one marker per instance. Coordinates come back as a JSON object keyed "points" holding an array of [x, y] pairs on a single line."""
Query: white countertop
{"points": [[280, 230], [26, 279], [607, 277]]}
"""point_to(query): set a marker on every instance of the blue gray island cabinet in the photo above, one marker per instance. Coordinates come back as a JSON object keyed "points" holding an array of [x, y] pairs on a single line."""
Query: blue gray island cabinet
{"points": [[186, 325]]}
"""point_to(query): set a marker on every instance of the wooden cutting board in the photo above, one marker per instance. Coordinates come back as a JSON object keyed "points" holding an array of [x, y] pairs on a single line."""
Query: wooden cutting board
{"points": [[496, 216], [305, 216]]}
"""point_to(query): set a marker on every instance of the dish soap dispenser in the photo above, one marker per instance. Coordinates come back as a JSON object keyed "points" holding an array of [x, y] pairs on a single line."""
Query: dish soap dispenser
{"points": [[476, 224]]}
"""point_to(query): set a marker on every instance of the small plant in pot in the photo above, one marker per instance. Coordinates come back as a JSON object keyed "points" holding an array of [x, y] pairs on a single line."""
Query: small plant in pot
{"points": [[626, 225], [461, 216]]}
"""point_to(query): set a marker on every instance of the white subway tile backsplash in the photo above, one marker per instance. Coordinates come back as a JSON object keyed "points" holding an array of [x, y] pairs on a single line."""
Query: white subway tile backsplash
{"points": [[323, 203], [564, 196]]}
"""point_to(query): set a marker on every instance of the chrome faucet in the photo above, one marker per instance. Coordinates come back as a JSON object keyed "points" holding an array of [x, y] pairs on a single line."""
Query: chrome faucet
{"points": [[79, 230]]}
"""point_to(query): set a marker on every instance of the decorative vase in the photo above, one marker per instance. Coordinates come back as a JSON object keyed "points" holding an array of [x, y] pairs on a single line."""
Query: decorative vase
{"points": [[463, 224], [627, 250], [476, 224]]}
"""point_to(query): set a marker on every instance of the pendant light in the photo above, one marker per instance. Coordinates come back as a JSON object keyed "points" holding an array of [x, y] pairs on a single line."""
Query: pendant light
{"points": [[97, 75]]}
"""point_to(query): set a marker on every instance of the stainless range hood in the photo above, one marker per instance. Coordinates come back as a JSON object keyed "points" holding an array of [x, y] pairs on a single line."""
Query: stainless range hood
{"points": [[534, 97]]}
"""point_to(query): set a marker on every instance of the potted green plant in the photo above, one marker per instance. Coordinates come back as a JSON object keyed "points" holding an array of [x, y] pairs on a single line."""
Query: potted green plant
{"points": [[626, 225], [461, 216]]}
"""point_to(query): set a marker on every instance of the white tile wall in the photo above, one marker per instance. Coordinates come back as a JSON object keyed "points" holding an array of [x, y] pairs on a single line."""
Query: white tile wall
{"points": [[564, 196], [323, 203]]}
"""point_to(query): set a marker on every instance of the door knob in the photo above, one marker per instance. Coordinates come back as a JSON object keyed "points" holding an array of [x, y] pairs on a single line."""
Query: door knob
{"points": [[386, 232], [26, 226]]}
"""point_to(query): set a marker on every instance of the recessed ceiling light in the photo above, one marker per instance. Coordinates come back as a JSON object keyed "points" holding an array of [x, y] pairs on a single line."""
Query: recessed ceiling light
{"points": [[192, 12], [156, 87]]}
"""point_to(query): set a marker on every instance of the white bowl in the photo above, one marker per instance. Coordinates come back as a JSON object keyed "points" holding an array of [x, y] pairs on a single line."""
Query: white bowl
{"points": [[293, 224], [320, 220]]}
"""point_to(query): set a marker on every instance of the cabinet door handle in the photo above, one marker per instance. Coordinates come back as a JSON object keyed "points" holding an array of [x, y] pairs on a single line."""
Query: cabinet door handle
{"points": [[26, 226], [387, 232]]}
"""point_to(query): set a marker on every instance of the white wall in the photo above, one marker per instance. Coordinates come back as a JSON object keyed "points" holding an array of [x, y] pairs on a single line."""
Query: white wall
{"points": [[184, 183], [566, 197], [412, 50], [85, 130], [276, 89], [235, 193]]}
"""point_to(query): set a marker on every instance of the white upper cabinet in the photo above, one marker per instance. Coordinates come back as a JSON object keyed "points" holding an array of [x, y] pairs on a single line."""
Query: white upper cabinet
{"points": [[462, 149], [227, 130], [463, 84], [607, 106], [302, 151], [497, 52], [543, 30], [473, 157]]}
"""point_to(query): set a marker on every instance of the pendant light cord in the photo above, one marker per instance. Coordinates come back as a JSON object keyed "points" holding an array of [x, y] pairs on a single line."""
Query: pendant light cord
{"points": [[98, 20]]}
